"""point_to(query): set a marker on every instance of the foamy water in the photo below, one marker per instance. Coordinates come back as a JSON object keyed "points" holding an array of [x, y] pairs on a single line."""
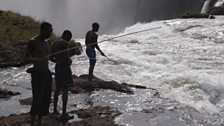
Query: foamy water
{"points": [[184, 60]]}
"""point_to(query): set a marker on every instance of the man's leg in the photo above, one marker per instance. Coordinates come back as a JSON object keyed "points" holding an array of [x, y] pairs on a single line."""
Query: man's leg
{"points": [[91, 69], [39, 121], [56, 94], [32, 120], [64, 100]]}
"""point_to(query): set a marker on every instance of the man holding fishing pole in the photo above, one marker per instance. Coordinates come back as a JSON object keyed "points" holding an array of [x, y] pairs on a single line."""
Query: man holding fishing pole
{"points": [[91, 44], [63, 73]]}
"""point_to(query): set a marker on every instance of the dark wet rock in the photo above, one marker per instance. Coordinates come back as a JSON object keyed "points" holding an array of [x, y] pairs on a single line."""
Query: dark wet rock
{"points": [[26, 101], [12, 64], [7, 94], [81, 84], [97, 83], [97, 116], [14, 120], [195, 15], [217, 11], [97, 111]]}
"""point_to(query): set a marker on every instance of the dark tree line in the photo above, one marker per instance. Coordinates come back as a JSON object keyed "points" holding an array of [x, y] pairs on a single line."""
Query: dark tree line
{"points": [[149, 10]]}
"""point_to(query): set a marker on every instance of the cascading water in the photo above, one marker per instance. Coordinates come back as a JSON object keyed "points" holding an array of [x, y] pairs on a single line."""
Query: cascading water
{"points": [[211, 3], [205, 7], [219, 3]]}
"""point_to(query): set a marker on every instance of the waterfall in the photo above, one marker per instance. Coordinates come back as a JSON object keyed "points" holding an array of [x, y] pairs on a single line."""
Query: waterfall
{"points": [[205, 7], [219, 3]]}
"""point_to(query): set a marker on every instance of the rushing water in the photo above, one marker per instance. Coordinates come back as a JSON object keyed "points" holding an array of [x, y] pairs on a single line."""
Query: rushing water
{"points": [[184, 60]]}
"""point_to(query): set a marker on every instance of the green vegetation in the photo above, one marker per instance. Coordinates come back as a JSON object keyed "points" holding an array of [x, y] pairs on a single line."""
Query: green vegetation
{"points": [[15, 28], [15, 31]]}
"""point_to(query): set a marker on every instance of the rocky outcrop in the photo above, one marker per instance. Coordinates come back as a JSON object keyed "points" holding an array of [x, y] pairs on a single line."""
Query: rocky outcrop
{"points": [[88, 86], [81, 84], [92, 116], [149, 10], [195, 15], [15, 30], [216, 11], [7, 94]]}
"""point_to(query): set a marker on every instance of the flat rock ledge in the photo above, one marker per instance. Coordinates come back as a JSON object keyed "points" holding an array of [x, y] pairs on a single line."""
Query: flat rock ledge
{"points": [[92, 116]]}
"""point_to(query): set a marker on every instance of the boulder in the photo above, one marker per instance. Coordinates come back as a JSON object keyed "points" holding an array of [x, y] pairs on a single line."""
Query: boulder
{"points": [[217, 11], [7, 94], [97, 116], [195, 15], [82, 83]]}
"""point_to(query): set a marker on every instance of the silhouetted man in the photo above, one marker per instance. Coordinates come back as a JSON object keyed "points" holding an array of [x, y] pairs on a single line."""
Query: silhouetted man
{"points": [[37, 52], [63, 73], [91, 44]]}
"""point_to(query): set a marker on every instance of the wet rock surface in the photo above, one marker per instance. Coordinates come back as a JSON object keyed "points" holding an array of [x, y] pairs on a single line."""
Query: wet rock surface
{"points": [[82, 85], [88, 86], [7, 94], [92, 116]]}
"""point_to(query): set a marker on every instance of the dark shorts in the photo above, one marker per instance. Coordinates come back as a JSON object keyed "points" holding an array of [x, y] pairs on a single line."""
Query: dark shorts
{"points": [[91, 53], [41, 89], [63, 76]]}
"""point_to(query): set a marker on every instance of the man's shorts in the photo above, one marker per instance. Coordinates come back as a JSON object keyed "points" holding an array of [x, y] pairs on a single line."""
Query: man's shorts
{"points": [[63, 76], [91, 53], [41, 89]]}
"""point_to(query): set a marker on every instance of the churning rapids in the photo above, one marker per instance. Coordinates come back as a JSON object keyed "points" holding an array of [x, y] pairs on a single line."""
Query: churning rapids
{"points": [[184, 60]]}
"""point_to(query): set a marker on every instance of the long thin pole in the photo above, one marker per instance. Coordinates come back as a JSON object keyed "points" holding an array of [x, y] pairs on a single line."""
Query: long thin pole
{"points": [[103, 41]]}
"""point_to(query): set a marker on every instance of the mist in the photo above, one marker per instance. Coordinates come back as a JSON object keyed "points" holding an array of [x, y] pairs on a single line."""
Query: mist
{"points": [[77, 15], [112, 15]]}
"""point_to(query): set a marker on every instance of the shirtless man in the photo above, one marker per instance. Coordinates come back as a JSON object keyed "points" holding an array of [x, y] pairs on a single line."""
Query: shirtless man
{"points": [[91, 44], [37, 52], [63, 73]]}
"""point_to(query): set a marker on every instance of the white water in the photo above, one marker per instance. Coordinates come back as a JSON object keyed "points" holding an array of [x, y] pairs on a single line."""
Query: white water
{"points": [[219, 3], [184, 60], [205, 7]]}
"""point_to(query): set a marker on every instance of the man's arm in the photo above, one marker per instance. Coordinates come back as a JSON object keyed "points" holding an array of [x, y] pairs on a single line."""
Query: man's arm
{"points": [[97, 47], [67, 56]]}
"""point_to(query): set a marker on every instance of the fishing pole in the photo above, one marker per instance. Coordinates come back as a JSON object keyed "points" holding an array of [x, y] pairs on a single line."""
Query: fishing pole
{"points": [[58, 52]]}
